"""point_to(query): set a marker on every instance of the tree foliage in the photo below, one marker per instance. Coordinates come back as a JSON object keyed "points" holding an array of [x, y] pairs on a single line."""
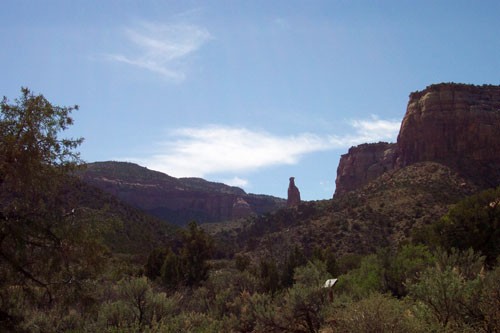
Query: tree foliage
{"points": [[43, 248], [473, 223], [185, 264]]}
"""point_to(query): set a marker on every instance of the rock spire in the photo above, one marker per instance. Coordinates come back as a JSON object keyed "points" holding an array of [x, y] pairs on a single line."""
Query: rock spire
{"points": [[293, 194]]}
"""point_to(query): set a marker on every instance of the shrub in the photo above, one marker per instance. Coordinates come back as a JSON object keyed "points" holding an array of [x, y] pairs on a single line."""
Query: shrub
{"points": [[375, 313], [362, 281], [452, 291], [135, 304]]}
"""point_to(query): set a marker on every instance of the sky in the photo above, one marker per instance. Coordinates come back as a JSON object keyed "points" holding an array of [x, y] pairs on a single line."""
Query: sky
{"points": [[248, 93]]}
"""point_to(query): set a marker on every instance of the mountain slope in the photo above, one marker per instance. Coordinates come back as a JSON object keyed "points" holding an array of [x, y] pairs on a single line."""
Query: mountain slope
{"points": [[383, 213], [125, 229], [177, 200]]}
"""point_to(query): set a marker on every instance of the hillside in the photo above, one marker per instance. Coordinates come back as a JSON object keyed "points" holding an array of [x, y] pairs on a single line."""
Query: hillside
{"points": [[125, 229], [176, 200], [383, 213], [447, 149]]}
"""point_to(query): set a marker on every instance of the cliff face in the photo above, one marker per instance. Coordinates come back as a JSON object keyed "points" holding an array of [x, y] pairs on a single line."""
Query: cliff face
{"points": [[457, 125], [176, 200], [363, 164]]}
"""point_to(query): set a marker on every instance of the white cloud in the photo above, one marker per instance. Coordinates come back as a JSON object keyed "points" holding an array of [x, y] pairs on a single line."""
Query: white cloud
{"points": [[218, 149], [376, 129], [161, 48], [196, 152], [368, 130], [236, 181]]}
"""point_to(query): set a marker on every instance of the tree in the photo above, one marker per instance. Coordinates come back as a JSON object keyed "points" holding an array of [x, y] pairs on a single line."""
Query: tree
{"points": [[171, 270], [153, 266], [196, 250], [295, 259], [189, 265], [43, 248]]}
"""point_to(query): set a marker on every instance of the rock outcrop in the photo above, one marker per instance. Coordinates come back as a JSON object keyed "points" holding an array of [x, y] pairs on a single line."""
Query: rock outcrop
{"points": [[363, 164], [293, 194], [176, 200], [457, 125]]}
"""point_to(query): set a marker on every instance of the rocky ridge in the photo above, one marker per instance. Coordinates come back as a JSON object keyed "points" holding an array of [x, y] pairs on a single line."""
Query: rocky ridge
{"points": [[176, 200], [457, 125]]}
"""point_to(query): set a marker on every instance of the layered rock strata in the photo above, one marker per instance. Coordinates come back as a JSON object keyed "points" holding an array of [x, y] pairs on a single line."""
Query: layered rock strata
{"points": [[457, 125], [176, 200], [363, 164]]}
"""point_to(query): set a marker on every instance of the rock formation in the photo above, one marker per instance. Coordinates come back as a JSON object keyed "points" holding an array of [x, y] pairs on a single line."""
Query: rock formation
{"points": [[293, 194], [457, 125], [176, 200], [241, 209], [363, 164]]}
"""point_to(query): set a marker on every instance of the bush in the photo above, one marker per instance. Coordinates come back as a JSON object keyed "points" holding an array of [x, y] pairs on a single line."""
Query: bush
{"points": [[452, 291], [299, 309], [135, 304], [376, 313], [362, 281], [242, 262]]}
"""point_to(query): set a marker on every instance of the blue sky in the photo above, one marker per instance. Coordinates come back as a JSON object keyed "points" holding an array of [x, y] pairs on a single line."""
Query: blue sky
{"points": [[243, 92]]}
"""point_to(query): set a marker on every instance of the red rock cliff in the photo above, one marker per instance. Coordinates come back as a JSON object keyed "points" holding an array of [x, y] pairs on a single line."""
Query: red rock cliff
{"points": [[363, 164], [176, 200], [457, 125]]}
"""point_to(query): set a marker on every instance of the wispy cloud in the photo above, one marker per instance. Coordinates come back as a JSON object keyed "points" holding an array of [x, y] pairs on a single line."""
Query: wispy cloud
{"points": [[218, 149], [221, 149], [162, 48]]}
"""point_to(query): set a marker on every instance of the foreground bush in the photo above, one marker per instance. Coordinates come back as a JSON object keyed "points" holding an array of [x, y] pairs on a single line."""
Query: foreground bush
{"points": [[376, 313]]}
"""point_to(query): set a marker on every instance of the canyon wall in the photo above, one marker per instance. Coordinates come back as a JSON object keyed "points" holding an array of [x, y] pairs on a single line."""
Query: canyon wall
{"points": [[176, 200], [457, 125], [363, 164]]}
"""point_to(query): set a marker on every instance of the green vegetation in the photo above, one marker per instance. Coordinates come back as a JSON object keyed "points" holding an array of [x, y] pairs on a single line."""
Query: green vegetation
{"points": [[69, 264], [472, 223]]}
